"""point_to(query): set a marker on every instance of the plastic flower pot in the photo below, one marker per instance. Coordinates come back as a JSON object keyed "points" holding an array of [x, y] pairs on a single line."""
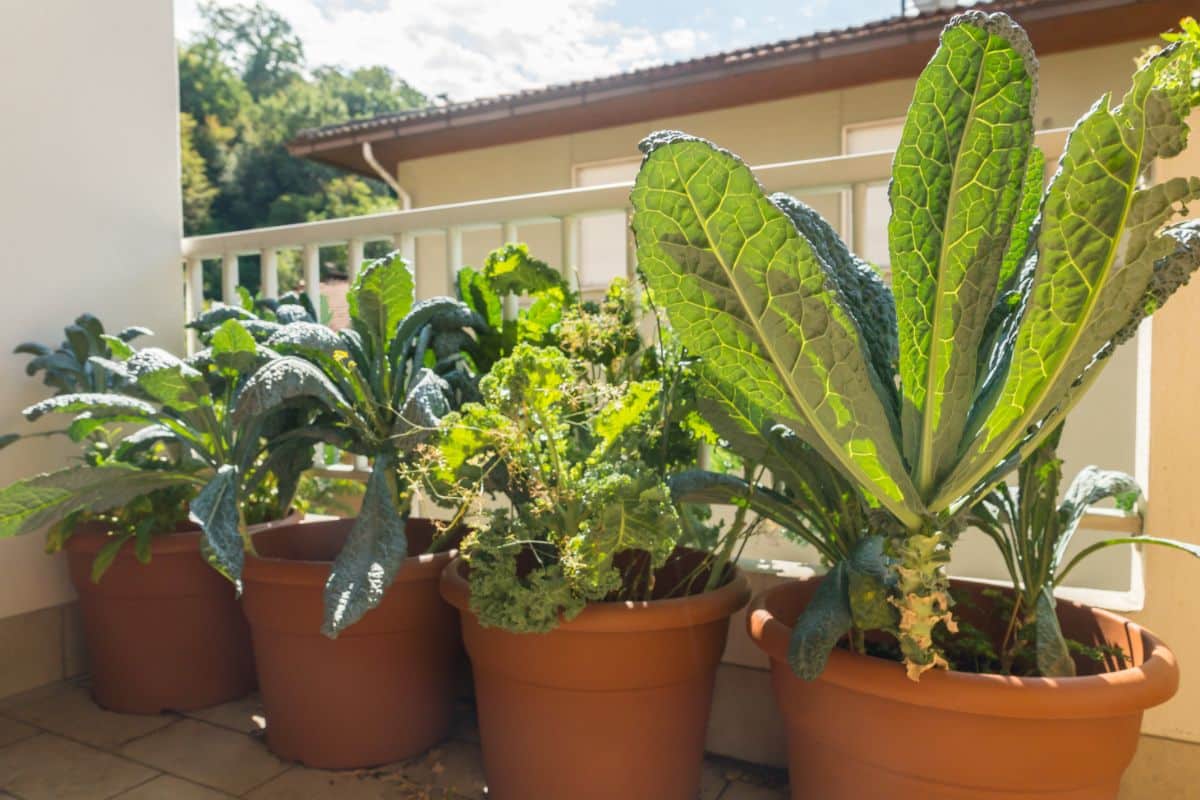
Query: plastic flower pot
{"points": [[863, 729], [612, 704], [385, 689], [168, 635]]}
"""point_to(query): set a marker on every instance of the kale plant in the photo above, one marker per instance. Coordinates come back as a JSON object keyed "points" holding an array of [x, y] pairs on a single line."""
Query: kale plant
{"points": [[578, 441], [176, 406], [382, 386], [1008, 299], [1033, 531]]}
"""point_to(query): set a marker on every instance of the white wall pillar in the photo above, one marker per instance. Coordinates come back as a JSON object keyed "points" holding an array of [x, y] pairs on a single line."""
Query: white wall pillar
{"points": [[89, 215]]}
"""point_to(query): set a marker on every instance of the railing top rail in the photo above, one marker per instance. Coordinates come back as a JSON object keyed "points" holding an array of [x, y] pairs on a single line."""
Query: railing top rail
{"points": [[808, 175]]}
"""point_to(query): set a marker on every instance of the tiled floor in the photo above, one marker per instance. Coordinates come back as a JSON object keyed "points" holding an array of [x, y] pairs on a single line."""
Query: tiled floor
{"points": [[56, 744]]}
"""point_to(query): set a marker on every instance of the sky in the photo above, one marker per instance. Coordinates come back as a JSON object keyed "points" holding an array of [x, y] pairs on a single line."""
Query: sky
{"points": [[478, 48]]}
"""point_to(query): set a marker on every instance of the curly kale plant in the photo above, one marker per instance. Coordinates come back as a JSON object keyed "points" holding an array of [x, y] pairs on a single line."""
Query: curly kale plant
{"points": [[1007, 299], [577, 439], [1033, 531], [508, 274], [580, 493]]}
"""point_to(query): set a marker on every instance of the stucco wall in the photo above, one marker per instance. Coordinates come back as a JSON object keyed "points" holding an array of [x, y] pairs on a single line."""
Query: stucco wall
{"points": [[1172, 602], [90, 212]]}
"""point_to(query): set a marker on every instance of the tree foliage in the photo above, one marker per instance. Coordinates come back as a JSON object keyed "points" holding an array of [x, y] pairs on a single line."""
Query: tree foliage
{"points": [[245, 89]]}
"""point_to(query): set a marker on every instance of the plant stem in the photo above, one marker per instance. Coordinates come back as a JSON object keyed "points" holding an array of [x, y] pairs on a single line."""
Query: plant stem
{"points": [[923, 596]]}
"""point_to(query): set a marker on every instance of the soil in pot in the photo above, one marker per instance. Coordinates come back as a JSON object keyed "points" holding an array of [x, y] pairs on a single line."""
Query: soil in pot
{"points": [[166, 635], [613, 704], [864, 730], [385, 689]]}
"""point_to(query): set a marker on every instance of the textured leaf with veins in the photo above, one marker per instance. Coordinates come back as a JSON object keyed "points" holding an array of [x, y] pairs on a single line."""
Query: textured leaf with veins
{"points": [[380, 297], [30, 504], [956, 189], [374, 550], [1095, 253], [215, 510], [749, 292]]}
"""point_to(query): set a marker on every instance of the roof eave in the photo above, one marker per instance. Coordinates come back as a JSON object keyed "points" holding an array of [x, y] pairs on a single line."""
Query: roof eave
{"points": [[898, 51]]}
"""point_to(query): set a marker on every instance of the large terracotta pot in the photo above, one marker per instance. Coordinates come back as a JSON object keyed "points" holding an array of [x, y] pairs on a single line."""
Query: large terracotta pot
{"points": [[613, 704], [167, 635], [864, 730], [384, 690]]}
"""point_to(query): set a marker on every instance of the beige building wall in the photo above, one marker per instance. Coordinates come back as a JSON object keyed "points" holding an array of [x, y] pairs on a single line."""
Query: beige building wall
{"points": [[1172, 600], [90, 220]]}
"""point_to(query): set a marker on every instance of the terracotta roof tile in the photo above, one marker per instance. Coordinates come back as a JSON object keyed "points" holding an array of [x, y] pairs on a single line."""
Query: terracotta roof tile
{"points": [[648, 76]]}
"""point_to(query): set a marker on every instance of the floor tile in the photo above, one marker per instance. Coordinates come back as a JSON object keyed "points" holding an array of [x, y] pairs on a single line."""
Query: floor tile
{"points": [[301, 783], [168, 787], [244, 716], [48, 767], [13, 731], [71, 712], [455, 765], [746, 791], [207, 754], [712, 781]]}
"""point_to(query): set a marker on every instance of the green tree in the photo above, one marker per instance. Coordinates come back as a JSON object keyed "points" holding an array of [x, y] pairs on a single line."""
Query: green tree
{"points": [[198, 191], [259, 42], [246, 87]]}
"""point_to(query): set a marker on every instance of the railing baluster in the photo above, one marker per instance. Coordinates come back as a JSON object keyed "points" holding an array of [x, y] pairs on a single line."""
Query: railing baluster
{"points": [[312, 274], [407, 244], [194, 299], [354, 257], [454, 257], [510, 307], [354, 260], [268, 265], [630, 249], [570, 254], [229, 279], [311, 261]]}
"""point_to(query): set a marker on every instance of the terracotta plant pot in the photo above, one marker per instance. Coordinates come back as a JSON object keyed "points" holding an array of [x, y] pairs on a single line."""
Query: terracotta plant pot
{"points": [[613, 704], [167, 635], [385, 689], [864, 730]]}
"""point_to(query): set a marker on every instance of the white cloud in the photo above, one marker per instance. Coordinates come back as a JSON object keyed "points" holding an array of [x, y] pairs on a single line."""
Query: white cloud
{"points": [[680, 39], [471, 48], [738, 24]]}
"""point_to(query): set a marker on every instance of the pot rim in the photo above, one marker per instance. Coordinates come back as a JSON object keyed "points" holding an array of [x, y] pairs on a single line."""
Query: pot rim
{"points": [[181, 541], [307, 572], [1127, 691], [626, 616]]}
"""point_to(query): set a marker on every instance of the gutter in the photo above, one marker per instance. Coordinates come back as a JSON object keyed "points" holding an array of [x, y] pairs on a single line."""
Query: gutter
{"points": [[368, 153]]}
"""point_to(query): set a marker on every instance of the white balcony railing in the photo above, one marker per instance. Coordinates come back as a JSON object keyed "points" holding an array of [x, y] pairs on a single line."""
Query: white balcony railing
{"points": [[507, 216]]}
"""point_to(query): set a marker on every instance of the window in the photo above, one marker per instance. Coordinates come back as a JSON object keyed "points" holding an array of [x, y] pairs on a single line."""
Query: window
{"points": [[603, 239], [867, 205]]}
